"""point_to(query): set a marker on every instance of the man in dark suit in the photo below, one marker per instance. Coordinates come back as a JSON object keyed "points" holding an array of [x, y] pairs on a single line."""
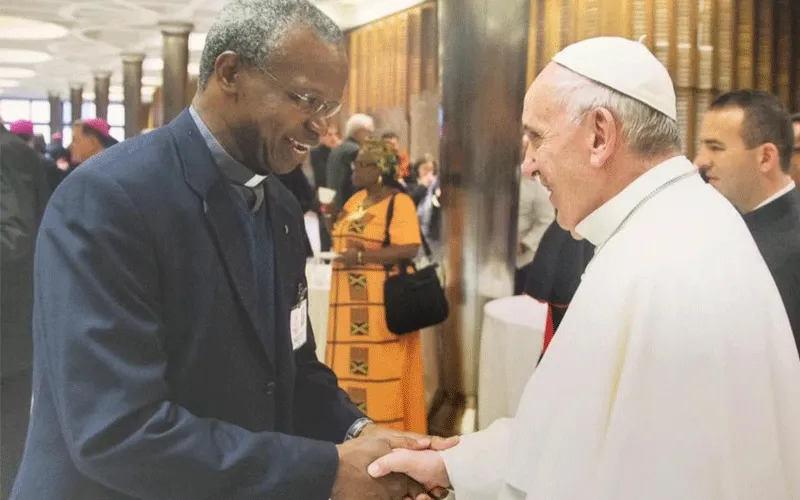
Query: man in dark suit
{"points": [[24, 195], [172, 354], [745, 153], [339, 173], [320, 154]]}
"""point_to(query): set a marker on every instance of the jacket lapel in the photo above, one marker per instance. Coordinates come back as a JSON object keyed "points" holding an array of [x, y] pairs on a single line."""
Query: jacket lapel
{"points": [[280, 220], [205, 178]]}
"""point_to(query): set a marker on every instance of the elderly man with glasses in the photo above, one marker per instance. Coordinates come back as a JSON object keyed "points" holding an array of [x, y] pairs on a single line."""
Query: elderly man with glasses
{"points": [[173, 353]]}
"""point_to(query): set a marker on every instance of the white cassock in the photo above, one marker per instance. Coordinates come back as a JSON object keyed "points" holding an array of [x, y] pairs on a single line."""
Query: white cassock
{"points": [[674, 374]]}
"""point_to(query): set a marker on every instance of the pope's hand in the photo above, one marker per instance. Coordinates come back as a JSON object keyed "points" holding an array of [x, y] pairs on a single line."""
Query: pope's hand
{"points": [[421, 441], [424, 466]]}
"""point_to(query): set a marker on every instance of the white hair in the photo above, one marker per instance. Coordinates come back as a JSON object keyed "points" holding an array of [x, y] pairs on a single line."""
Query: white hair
{"points": [[358, 122], [255, 29], [649, 132]]}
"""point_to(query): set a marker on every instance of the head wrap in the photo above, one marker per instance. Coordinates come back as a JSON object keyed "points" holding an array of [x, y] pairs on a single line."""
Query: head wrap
{"points": [[376, 151]]}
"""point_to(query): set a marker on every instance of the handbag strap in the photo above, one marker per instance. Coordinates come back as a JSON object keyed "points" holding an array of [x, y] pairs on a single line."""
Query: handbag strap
{"points": [[386, 238]]}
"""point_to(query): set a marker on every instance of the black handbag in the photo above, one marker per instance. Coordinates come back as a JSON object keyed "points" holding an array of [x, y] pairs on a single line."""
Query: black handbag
{"points": [[412, 300]]}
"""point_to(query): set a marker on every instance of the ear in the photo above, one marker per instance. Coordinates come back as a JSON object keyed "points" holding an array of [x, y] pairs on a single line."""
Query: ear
{"points": [[226, 68], [604, 136], [768, 158]]}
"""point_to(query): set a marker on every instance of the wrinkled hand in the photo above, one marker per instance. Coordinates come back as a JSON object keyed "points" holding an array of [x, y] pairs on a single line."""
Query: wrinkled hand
{"points": [[352, 481], [424, 466]]}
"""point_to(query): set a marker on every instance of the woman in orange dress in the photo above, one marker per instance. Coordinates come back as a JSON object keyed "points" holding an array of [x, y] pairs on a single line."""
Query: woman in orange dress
{"points": [[381, 372]]}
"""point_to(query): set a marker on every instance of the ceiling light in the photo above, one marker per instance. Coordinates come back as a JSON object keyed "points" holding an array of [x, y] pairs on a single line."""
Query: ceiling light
{"points": [[18, 28], [8, 72], [148, 91], [197, 41], [9, 83], [20, 56], [153, 64], [193, 69]]}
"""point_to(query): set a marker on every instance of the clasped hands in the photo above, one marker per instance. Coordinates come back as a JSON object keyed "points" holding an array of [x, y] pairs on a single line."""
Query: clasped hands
{"points": [[384, 464]]}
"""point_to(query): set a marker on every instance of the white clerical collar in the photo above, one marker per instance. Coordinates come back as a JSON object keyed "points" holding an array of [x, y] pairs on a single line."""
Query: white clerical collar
{"points": [[789, 187], [598, 226]]}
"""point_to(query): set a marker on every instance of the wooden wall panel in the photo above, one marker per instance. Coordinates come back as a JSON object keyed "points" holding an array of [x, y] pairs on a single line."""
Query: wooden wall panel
{"points": [[708, 46], [764, 32], [785, 43]]}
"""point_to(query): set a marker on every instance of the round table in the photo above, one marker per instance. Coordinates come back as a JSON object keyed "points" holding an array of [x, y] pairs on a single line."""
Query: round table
{"points": [[318, 275], [511, 343]]}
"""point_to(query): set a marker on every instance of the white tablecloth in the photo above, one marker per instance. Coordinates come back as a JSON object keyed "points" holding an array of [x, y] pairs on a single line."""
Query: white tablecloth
{"points": [[318, 275], [511, 343]]}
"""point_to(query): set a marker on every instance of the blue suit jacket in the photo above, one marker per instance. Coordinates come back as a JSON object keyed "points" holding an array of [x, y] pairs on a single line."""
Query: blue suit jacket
{"points": [[151, 377]]}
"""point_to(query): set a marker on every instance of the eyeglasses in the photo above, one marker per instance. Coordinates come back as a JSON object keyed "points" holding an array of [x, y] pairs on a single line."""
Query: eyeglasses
{"points": [[311, 104]]}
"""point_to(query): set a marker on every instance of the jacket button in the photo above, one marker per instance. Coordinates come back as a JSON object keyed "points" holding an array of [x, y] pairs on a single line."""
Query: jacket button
{"points": [[269, 388]]}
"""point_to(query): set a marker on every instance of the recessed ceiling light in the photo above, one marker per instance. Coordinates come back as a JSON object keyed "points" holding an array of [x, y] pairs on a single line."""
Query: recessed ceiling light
{"points": [[153, 64], [21, 56], [9, 83], [18, 28], [8, 72], [197, 41]]}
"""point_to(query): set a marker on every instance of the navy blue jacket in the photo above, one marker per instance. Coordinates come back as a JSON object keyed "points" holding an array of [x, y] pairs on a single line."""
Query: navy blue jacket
{"points": [[152, 377]]}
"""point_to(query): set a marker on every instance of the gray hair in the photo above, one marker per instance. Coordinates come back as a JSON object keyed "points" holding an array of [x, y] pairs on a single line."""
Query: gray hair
{"points": [[358, 122], [254, 29], [649, 132]]}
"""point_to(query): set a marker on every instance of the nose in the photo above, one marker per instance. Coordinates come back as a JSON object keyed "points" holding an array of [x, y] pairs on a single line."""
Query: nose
{"points": [[529, 166], [702, 161]]}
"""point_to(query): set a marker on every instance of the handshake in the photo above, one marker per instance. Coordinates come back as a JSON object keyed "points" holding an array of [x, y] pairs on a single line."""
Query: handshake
{"points": [[391, 465]]}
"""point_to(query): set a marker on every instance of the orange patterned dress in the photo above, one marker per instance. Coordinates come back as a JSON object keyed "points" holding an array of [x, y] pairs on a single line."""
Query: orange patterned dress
{"points": [[380, 371]]}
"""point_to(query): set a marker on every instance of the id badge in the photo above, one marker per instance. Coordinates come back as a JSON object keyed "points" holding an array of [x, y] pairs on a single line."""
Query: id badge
{"points": [[299, 319]]}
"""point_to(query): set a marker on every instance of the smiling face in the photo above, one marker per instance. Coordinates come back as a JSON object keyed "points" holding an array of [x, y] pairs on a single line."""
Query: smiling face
{"points": [[560, 151], [266, 118]]}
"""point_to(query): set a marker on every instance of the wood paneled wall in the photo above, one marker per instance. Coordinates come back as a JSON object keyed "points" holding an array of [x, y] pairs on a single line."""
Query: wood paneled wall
{"points": [[709, 46], [394, 76]]}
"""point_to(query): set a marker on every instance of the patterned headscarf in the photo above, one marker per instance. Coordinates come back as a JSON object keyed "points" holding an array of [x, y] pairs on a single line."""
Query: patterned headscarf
{"points": [[374, 150]]}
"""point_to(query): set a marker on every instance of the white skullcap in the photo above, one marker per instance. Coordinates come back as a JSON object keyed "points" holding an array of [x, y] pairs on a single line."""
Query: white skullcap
{"points": [[624, 65]]}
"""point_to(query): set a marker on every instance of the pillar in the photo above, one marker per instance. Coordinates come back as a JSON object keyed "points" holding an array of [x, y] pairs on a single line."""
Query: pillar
{"points": [[176, 61], [102, 81], [56, 116], [479, 157], [132, 92], [76, 101]]}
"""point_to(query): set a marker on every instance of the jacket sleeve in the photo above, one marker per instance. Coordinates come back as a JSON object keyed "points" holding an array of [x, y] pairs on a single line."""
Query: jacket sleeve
{"points": [[321, 409], [102, 343]]}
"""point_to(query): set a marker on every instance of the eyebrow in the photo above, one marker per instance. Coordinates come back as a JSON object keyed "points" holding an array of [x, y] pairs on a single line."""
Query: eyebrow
{"points": [[712, 142]]}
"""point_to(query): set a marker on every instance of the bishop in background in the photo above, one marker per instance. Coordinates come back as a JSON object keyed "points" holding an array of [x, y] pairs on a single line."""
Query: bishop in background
{"points": [[674, 374]]}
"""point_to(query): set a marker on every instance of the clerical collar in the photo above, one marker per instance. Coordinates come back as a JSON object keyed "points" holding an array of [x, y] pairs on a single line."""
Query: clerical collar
{"points": [[789, 188], [598, 226], [235, 171]]}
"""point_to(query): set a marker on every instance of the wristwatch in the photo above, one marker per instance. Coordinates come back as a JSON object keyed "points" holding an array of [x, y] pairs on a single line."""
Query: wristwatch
{"points": [[357, 427]]}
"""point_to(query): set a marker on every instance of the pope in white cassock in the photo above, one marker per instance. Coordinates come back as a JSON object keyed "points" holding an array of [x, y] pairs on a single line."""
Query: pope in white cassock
{"points": [[674, 374]]}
